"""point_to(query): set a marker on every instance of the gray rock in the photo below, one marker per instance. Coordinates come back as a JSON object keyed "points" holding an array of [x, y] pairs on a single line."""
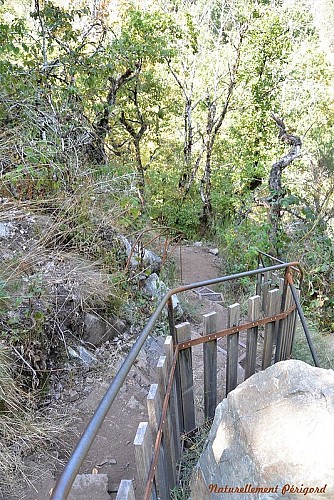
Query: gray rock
{"points": [[6, 229], [90, 487], [125, 490], [97, 330], [157, 289], [146, 258], [72, 396], [214, 251], [86, 357], [82, 355], [276, 431], [154, 287]]}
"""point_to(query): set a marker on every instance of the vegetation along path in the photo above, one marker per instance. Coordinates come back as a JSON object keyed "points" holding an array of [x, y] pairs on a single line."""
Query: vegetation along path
{"points": [[112, 452]]}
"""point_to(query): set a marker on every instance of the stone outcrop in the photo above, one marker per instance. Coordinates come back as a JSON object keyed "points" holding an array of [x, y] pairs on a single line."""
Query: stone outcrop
{"points": [[273, 436], [141, 257], [157, 289], [98, 330]]}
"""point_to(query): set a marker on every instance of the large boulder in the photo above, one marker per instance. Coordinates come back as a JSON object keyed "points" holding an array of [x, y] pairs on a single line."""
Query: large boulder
{"points": [[273, 436]]}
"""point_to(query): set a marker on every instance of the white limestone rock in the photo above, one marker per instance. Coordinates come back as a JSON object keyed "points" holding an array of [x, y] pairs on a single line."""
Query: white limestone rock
{"points": [[274, 431]]}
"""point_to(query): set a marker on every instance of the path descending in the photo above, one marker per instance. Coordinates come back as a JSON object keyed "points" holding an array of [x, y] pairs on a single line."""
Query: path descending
{"points": [[112, 452]]}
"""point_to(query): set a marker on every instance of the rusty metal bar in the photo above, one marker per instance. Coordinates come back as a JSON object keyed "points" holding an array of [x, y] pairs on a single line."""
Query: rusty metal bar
{"points": [[71, 469], [303, 321], [298, 268], [235, 329]]}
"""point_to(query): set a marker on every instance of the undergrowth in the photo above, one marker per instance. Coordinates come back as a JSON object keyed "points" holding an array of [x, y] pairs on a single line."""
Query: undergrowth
{"points": [[323, 343], [22, 429], [193, 445]]}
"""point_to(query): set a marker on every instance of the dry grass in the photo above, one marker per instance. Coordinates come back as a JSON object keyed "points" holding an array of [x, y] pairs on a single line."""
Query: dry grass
{"points": [[193, 448], [21, 429]]}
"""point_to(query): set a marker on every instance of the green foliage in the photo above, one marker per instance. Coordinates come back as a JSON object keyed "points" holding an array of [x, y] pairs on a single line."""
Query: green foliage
{"points": [[169, 209], [315, 251], [58, 66], [241, 243]]}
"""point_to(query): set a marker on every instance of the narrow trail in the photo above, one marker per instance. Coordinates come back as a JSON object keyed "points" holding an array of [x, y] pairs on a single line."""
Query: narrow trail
{"points": [[112, 452]]}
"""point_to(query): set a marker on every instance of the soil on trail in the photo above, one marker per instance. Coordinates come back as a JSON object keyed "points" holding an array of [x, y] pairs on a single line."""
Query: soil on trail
{"points": [[196, 263], [112, 452]]}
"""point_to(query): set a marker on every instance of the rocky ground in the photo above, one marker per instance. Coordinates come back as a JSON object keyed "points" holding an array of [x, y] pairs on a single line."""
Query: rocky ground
{"points": [[76, 390]]}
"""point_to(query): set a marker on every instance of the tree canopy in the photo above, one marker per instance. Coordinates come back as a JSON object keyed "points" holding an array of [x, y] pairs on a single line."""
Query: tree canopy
{"points": [[181, 95]]}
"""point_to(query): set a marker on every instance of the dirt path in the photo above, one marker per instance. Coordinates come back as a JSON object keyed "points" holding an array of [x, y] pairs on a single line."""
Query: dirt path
{"points": [[112, 452], [196, 263]]}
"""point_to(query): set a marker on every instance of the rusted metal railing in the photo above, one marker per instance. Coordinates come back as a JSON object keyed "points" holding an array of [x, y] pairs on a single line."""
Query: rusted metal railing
{"points": [[72, 467]]}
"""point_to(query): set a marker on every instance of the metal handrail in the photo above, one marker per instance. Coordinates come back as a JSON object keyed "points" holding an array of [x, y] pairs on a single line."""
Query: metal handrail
{"points": [[262, 254], [72, 467]]}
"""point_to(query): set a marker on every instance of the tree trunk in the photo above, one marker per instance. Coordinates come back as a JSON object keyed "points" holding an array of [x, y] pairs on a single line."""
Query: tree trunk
{"points": [[96, 150], [136, 138], [277, 192]]}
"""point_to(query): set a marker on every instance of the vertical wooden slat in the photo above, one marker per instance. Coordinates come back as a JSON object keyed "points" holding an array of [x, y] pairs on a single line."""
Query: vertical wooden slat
{"points": [[143, 455], [273, 304], [183, 333], [289, 326], [286, 325], [254, 307], [259, 283], [174, 411], [265, 289], [154, 409], [125, 490], [232, 349], [293, 327], [281, 325], [167, 425], [210, 366]]}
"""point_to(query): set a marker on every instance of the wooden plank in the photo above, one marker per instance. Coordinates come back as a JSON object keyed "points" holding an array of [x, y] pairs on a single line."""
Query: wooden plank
{"points": [[254, 311], [154, 409], [210, 366], [167, 428], [265, 290], [281, 324], [294, 317], [286, 325], [288, 328], [258, 286], [183, 333], [174, 410], [232, 349], [125, 490], [273, 305], [143, 455]]}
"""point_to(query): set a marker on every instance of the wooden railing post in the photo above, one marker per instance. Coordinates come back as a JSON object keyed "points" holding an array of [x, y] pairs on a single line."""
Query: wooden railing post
{"points": [[143, 455], [125, 490], [173, 401], [254, 308], [167, 428], [273, 304], [288, 330], [265, 290], [232, 349], [183, 333], [210, 366], [283, 286], [154, 408]]}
